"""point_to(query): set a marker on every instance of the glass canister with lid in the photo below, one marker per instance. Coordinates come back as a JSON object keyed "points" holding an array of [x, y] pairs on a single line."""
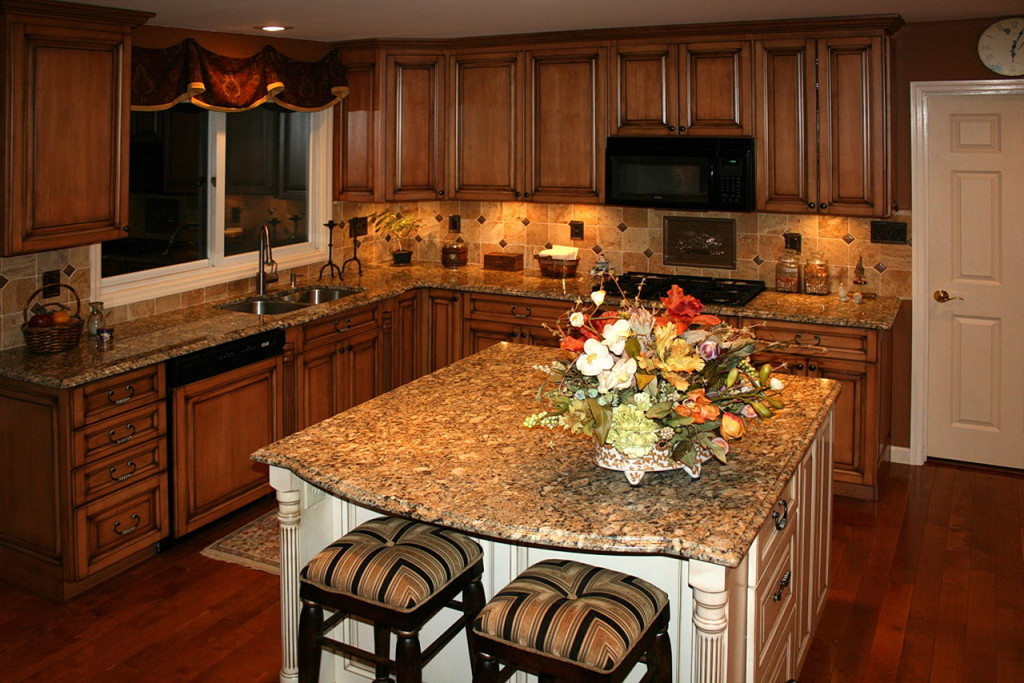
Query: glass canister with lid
{"points": [[787, 274], [816, 274]]}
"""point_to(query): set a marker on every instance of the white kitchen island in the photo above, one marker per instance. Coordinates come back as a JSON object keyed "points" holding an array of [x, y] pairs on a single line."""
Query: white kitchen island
{"points": [[741, 552]]}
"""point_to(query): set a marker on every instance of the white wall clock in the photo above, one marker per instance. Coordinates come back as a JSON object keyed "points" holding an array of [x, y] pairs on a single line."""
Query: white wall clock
{"points": [[1001, 47]]}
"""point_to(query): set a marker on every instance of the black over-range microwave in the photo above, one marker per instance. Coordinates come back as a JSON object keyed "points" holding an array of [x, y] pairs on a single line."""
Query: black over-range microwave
{"points": [[700, 174]]}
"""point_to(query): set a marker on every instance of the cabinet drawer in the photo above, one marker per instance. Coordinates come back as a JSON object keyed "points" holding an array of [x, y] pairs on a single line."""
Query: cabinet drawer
{"points": [[806, 339], [784, 514], [775, 600], [120, 470], [355, 320], [107, 436], [518, 310], [121, 524], [117, 395]]}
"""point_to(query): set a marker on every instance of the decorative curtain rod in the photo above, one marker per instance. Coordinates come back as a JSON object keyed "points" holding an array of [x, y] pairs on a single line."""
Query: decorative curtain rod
{"points": [[188, 72]]}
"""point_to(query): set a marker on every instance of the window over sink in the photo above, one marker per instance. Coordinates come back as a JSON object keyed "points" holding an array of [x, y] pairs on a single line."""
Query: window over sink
{"points": [[202, 184]]}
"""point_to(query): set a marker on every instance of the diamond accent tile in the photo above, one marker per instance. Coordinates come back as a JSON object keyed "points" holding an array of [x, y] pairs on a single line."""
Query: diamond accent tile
{"points": [[387, 238], [481, 220], [526, 222], [69, 270], [548, 245], [648, 253], [758, 260], [880, 267], [3, 281], [419, 238], [438, 218], [848, 238], [623, 227], [597, 249], [502, 244]]}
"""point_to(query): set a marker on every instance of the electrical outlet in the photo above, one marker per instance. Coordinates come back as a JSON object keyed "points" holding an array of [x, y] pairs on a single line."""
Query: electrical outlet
{"points": [[888, 232], [455, 223], [311, 495], [357, 227], [51, 278], [576, 230], [793, 240]]}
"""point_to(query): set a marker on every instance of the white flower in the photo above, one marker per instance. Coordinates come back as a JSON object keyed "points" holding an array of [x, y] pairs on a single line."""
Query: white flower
{"points": [[619, 377], [615, 335], [597, 296], [595, 358], [576, 319], [776, 384]]}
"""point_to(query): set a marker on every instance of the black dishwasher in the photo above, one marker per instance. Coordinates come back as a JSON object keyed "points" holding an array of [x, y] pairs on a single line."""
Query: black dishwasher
{"points": [[225, 402]]}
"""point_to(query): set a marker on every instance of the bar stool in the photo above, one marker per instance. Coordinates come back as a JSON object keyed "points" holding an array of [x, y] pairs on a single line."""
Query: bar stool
{"points": [[396, 574], [570, 621]]}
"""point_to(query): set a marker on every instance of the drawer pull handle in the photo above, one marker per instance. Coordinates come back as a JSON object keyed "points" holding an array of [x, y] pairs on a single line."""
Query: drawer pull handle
{"points": [[128, 388], [130, 473], [348, 324], [515, 309], [781, 520], [798, 339], [124, 532], [783, 584], [124, 439]]}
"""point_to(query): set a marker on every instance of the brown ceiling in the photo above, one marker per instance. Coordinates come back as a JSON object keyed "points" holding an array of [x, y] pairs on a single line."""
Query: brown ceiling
{"points": [[330, 20]]}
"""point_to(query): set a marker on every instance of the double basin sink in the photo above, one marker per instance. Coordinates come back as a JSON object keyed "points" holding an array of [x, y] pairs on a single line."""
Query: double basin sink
{"points": [[286, 302]]}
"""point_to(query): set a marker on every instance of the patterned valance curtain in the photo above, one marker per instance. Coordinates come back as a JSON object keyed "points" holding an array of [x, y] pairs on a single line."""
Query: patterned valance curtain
{"points": [[187, 72]]}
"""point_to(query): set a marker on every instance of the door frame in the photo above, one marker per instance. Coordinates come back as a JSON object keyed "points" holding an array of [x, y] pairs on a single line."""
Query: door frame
{"points": [[919, 94]]}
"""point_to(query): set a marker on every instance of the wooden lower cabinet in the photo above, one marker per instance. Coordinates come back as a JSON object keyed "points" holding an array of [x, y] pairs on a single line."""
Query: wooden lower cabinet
{"points": [[860, 360], [218, 423], [444, 314], [494, 318], [83, 480]]}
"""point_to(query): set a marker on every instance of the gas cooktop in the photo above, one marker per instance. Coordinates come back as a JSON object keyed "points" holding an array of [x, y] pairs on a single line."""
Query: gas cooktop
{"points": [[710, 290]]}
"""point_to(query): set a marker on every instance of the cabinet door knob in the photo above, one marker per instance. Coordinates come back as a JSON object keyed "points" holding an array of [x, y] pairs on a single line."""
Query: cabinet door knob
{"points": [[823, 206], [440, 193], [798, 366], [341, 349], [781, 520], [810, 205], [812, 367], [453, 299], [126, 228], [518, 194], [682, 129], [526, 194], [672, 129]]}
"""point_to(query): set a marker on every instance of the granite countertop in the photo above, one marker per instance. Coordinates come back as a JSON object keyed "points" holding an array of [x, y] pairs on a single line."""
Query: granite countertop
{"points": [[450, 449], [153, 340]]}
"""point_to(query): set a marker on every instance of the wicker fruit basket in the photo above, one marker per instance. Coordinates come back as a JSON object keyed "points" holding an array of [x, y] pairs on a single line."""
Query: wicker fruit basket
{"points": [[55, 338], [560, 268]]}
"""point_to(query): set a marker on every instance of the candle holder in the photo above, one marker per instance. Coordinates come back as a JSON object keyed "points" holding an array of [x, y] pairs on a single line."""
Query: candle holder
{"points": [[330, 266], [357, 227]]}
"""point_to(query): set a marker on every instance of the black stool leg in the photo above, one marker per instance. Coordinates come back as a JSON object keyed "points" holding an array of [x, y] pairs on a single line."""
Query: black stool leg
{"points": [[485, 669], [473, 600], [382, 647], [409, 666], [659, 658], [311, 621]]}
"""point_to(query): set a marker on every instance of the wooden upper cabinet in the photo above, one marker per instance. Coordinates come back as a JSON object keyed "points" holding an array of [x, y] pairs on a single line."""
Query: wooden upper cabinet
{"points": [[357, 130], [66, 127], [786, 135], [852, 126], [822, 134], [687, 88], [414, 147], [485, 155], [565, 124]]}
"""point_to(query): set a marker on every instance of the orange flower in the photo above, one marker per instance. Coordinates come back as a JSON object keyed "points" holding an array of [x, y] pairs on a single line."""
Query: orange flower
{"points": [[733, 426], [574, 344], [698, 406]]}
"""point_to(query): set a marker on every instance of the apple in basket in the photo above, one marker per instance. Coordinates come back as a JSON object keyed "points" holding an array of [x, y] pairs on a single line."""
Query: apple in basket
{"points": [[61, 318], [41, 320]]}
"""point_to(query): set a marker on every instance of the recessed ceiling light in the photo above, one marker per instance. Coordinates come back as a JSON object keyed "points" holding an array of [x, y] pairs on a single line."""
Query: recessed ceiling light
{"points": [[274, 28]]}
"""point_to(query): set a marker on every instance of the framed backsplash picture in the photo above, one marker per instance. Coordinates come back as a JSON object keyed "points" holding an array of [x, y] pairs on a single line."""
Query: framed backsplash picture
{"points": [[700, 242]]}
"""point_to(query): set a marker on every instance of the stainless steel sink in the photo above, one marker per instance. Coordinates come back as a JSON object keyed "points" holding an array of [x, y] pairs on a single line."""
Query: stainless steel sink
{"points": [[316, 295], [263, 307]]}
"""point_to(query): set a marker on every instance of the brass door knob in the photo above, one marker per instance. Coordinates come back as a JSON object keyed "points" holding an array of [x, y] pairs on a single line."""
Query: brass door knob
{"points": [[942, 296]]}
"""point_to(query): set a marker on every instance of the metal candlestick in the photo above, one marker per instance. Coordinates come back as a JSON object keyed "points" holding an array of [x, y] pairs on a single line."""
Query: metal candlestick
{"points": [[331, 266], [356, 228]]}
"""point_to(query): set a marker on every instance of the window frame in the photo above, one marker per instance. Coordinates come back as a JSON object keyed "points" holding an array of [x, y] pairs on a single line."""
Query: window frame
{"points": [[217, 268]]}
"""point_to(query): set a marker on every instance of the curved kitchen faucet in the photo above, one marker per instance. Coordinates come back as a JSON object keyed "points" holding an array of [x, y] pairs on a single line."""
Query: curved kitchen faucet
{"points": [[266, 258]]}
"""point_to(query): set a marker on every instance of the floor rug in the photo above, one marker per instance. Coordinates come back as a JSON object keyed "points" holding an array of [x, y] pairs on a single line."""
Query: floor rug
{"points": [[255, 545]]}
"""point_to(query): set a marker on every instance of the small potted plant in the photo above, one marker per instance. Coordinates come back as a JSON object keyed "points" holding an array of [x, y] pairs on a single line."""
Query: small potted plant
{"points": [[400, 226]]}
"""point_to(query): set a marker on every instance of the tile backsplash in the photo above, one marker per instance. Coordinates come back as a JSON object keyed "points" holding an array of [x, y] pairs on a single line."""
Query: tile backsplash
{"points": [[630, 238]]}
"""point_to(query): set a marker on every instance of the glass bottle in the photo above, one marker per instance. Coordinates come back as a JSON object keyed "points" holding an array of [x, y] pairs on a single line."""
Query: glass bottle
{"points": [[816, 274], [454, 253], [787, 274], [97, 317]]}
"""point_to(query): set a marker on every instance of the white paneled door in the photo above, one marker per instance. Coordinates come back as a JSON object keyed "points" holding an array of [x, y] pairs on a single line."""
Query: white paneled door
{"points": [[969, 273]]}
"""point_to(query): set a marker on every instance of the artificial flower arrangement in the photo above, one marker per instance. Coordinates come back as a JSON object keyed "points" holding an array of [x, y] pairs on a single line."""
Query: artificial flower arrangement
{"points": [[656, 378]]}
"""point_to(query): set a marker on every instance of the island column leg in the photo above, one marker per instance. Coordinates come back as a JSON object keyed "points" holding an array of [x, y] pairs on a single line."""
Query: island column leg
{"points": [[288, 516], [710, 622]]}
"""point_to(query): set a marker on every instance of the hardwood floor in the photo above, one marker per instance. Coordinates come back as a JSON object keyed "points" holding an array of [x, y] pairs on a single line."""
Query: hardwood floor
{"points": [[927, 586]]}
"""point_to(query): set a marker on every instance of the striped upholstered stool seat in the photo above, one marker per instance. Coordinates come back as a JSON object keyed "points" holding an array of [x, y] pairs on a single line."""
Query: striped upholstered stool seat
{"points": [[397, 574], [567, 620]]}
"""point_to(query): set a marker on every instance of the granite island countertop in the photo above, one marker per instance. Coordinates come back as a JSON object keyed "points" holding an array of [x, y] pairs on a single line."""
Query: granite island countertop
{"points": [[449, 448], [152, 340]]}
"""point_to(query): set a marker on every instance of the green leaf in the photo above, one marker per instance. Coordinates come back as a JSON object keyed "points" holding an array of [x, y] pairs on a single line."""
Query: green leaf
{"points": [[602, 419], [718, 451], [632, 348], [659, 410]]}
